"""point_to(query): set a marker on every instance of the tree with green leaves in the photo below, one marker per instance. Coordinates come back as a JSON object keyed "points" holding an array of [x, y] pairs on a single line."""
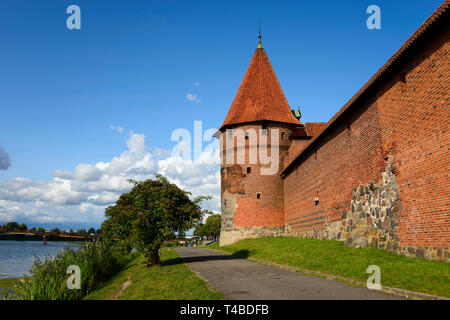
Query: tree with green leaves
{"points": [[14, 226], [200, 230], [81, 231], [11, 226], [147, 215], [91, 231], [56, 230], [211, 228]]}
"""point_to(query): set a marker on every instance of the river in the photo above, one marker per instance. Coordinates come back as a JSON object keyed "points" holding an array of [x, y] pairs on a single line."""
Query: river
{"points": [[16, 257]]}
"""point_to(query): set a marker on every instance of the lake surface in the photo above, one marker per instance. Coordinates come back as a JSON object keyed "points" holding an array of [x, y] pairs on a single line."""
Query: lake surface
{"points": [[16, 257]]}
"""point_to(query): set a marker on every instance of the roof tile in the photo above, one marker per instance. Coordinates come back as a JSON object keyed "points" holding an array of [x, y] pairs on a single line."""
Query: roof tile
{"points": [[259, 96], [313, 128]]}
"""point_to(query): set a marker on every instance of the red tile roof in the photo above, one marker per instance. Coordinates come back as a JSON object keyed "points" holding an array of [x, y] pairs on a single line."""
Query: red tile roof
{"points": [[310, 129], [299, 132], [260, 96], [313, 128]]}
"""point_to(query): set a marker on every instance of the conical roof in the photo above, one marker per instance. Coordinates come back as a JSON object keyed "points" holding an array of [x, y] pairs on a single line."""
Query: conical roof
{"points": [[260, 96]]}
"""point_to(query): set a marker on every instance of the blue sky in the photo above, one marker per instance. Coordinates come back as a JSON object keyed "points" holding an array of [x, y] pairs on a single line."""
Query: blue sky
{"points": [[133, 64]]}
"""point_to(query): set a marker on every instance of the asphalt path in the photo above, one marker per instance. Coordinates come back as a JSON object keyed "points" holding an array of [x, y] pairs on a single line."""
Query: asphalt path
{"points": [[242, 279]]}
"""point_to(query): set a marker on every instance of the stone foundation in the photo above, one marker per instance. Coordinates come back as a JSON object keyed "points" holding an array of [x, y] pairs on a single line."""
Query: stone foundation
{"points": [[372, 220], [375, 210], [237, 234]]}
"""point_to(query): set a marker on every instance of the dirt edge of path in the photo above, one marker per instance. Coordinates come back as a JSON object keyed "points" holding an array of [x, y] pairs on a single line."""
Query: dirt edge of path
{"points": [[403, 293], [125, 285]]}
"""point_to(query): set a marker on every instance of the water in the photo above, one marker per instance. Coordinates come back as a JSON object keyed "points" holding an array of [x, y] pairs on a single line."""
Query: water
{"points": [[16, 257]]}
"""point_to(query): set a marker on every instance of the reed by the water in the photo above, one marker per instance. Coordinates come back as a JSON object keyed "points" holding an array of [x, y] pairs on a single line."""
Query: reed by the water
{"points": [[48, 281]]}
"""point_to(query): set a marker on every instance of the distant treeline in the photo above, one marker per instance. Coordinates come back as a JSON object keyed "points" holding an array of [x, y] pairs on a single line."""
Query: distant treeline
{"points": [[16, 227], [211, 228]]}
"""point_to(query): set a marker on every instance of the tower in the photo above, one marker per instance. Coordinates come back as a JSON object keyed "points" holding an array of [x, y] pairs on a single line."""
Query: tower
{"points": [[254, 144]]}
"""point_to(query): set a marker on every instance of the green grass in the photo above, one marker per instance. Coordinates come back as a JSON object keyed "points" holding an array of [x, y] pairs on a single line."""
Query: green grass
{"points": [[6, 285], [97, 263], [333, 257], [173, 280], [168, 244]]}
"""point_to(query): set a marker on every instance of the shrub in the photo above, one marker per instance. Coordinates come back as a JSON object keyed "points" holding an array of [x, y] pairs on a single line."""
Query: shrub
{"points": [[170, 244], [150, 214], [48, 281]]}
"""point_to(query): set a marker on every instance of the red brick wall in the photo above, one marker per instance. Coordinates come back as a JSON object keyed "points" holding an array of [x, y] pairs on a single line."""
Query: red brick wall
{"points": [[253, 213], [296, 146], [240, 205], [415, 121], [350, 158], [409, 117]]}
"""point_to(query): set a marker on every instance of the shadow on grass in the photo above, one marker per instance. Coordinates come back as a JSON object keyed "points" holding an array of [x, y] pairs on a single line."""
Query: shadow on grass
{"points": [[106, 282], [241, 254]]}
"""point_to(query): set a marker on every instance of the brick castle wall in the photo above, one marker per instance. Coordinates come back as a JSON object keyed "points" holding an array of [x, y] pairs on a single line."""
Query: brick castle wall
{"points": [[408, 120], [244, 213]]}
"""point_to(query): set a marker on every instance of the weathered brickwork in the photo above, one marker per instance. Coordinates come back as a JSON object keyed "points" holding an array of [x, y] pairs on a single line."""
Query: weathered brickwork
{"points": [[243, 211], [378, 174], [415, 124], [407, 118], [237, 234], [296, 146], [372, 221], [331, 172]]}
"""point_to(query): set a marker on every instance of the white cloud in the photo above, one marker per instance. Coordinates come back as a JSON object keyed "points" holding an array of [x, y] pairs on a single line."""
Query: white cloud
{"points": [[160, 153], [5, 161], [116, 128], [83, 195], [193, 97], [62, 174], [197, 84], [87, 172], [104, 198]]}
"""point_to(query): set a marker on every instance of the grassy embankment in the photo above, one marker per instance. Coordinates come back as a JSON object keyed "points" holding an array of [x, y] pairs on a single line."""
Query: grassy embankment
{"points": [[333, 257], [94, 263], [6, 286], [173, 280]]}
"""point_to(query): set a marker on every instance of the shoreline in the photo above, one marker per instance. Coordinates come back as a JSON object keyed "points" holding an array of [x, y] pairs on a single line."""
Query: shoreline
{"points": [[6, 286], [16, 257]]}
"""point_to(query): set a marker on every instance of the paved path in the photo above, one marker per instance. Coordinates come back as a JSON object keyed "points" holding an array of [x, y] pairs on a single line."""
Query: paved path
{"points": [[239, 278]]}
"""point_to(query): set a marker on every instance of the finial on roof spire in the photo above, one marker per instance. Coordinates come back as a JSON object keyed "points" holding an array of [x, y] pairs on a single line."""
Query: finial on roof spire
{"points": [[259, 37]]}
